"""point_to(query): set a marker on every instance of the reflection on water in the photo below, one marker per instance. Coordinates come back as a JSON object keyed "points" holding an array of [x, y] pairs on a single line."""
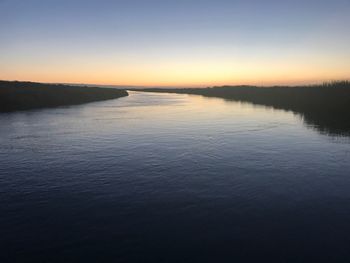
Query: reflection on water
{"points": [[325, 121], [323, 107], [171, 178]]}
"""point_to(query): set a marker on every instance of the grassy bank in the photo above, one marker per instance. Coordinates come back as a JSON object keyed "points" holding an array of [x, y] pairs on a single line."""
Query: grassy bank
{"points": [[16, 95], [326, 106]]}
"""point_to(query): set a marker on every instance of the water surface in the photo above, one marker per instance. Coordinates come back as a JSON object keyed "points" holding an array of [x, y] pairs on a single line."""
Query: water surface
{"points": [[158, 177]]}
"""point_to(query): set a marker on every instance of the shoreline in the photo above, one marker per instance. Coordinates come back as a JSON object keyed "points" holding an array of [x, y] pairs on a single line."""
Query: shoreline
{"points": [[324, 107], [20, 96]]}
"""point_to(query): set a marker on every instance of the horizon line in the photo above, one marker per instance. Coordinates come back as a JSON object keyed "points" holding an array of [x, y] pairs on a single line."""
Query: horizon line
{"points": [[295, 83]]}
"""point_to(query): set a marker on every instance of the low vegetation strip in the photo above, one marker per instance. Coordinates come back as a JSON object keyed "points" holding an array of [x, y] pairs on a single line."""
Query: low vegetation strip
{"points": [[16, 95]]}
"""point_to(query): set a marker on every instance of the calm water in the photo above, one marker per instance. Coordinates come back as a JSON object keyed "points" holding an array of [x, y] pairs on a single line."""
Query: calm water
{"points": [[171, 178]]}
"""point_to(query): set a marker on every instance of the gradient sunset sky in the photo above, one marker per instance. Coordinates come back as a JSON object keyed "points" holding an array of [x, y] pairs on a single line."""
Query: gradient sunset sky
{"points": [[175, 43]]}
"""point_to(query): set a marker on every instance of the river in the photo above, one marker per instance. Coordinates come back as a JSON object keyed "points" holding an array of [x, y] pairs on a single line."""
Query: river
{"points": [[156, 177]]}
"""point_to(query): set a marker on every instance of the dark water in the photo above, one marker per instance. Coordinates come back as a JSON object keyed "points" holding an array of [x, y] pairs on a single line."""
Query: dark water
{"points": [[171, 178]]}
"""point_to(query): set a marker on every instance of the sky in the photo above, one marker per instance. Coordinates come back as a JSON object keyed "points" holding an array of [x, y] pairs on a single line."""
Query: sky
{"points": [[175, 43]]}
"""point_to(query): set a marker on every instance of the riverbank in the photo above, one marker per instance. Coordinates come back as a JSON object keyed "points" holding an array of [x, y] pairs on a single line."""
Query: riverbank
{"points": [[15, 95], [324, 107]]}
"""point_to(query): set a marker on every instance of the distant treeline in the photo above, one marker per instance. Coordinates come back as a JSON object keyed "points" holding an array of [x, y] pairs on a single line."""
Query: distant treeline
{"points": [[326, 106], [16, 95]]}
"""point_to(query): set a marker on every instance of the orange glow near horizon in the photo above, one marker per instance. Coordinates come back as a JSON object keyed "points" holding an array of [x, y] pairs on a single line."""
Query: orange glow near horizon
{"points": [[180, 76]]}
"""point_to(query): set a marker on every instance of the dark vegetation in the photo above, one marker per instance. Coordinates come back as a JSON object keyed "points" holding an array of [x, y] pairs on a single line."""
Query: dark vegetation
{"points": [[325, 107], [16, 95]]}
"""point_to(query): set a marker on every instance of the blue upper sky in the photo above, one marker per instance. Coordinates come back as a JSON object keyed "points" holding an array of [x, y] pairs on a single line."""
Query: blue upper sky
{"points": [[175, 42]]}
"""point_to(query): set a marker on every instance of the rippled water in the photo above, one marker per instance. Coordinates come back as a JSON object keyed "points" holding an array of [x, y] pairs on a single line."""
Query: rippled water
{"points": [[171, 178]]}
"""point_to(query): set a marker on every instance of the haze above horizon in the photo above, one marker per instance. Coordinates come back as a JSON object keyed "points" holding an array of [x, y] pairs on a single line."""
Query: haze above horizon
{"points": [[175, 43]]}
